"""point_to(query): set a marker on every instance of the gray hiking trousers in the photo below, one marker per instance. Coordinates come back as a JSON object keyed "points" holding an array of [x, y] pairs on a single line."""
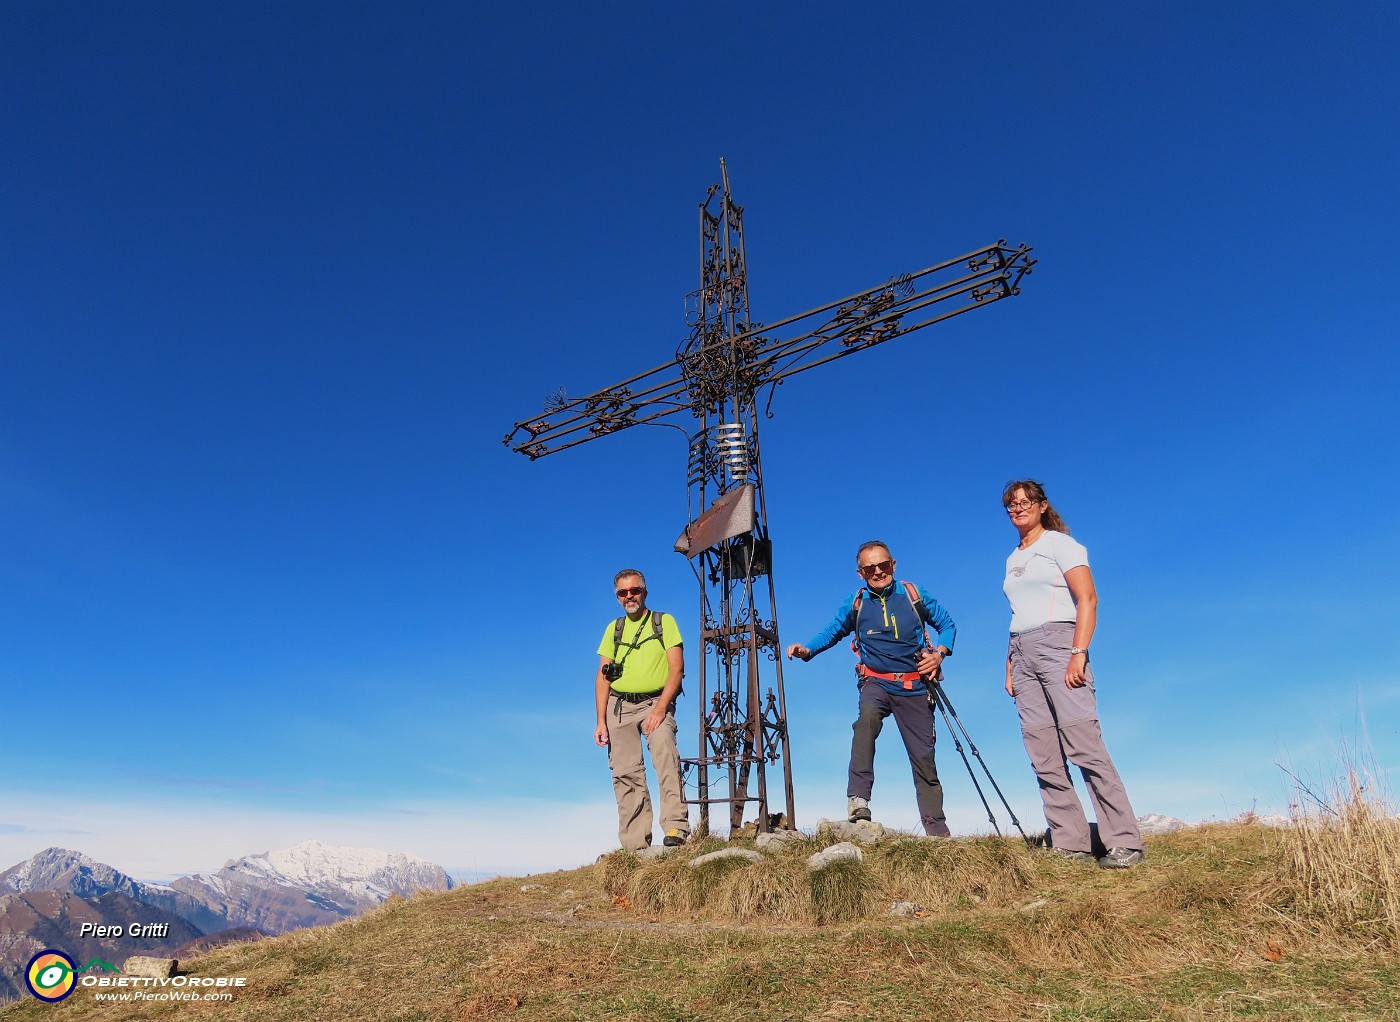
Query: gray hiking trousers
{"points": [[915, 719], [1060, 726]]}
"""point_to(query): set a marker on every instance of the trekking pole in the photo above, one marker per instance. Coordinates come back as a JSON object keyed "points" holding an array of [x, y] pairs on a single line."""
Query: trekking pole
{"points": [[946, 705], [933, 702]]}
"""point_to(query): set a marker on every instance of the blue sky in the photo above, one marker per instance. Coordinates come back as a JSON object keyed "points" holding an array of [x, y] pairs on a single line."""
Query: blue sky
{"points": [[275, 279]]}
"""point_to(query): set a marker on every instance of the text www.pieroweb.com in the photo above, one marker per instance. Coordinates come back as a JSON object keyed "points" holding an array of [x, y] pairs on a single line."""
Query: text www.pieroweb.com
{"points": [[164, 995], [144, 988]]}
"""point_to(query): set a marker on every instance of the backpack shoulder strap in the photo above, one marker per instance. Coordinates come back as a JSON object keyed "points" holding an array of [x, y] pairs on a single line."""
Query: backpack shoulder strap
{"points": [[656, 621], [617, 633], [856, 601], [920, 611]]}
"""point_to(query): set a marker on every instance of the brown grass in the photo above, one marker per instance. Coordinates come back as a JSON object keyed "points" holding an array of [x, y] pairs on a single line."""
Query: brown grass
{"points": [[1341, 861], [1223, 922], [777, 890], [843, 890], [953, 875]]}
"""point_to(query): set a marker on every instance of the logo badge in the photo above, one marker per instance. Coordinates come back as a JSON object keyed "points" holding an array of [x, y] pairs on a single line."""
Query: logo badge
{"points": [[50, 975]]}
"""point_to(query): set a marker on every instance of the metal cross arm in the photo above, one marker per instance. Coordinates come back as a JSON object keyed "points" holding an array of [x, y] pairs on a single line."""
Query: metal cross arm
{"points": [[569, 422], [717, 375], [897, 308], [698, 379]]}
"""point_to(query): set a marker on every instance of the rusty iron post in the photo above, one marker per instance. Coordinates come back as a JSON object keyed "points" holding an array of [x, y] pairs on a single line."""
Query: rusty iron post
{"points": [[717, 376]]}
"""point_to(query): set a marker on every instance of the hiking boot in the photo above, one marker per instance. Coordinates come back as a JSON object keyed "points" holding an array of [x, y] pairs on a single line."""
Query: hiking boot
{"points": [[857, 808], [673, 839], [1121, 858], [1070, 856]]}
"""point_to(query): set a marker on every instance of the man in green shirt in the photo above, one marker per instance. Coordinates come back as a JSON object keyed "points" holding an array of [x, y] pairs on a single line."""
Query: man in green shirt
{"points": [[640, 665]]}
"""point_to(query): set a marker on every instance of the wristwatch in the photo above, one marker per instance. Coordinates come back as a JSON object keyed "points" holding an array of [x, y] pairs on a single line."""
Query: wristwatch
{"points": [[1075, 649]]}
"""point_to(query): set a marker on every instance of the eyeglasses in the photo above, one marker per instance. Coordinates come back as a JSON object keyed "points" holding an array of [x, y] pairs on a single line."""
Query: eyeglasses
{"points": [[1020, 505], [880, 568], [623, 593]]}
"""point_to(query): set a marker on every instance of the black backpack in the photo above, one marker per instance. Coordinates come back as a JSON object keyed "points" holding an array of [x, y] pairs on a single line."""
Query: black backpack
{"points": [[656, 616]]}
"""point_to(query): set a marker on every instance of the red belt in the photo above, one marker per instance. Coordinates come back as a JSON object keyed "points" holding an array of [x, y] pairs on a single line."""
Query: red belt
{"points": [[904, 679]]}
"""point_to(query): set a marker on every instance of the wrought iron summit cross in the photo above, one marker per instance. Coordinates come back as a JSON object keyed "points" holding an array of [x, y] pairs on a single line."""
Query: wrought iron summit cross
{"points": [[716, 376]]}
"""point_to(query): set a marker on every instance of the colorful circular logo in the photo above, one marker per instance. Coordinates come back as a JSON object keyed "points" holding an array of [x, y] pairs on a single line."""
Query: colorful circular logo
{"points": [[49, 975]]}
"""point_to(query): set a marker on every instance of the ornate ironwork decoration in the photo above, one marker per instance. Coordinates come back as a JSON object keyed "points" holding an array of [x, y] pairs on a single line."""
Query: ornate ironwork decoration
{"points": [[718, 370]]}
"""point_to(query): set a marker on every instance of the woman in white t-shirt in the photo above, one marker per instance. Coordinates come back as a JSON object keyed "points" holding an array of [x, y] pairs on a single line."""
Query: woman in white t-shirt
{"points": [[1054, 609]]}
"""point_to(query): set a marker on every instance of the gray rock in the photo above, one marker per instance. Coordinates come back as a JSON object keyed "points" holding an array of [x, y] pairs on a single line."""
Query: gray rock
{"points": [[155, 968], [527, 888], [905, 908], [778, 838], [726, 853], [866, 832], [835, 853], [652, 852]]}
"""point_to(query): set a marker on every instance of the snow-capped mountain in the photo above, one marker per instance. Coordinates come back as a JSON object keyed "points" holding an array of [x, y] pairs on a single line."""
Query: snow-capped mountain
{"points": [[308, 884], [304, 885], [62, 869], [1156, 823], [70, 872], [361, 876]]}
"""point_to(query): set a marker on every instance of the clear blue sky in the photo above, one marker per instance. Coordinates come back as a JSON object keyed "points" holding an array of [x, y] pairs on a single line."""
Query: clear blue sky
{"points": [[275, 279]]}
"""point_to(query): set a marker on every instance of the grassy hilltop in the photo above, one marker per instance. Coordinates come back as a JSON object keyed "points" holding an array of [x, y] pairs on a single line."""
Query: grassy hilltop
{"points": [[1223, 921]]}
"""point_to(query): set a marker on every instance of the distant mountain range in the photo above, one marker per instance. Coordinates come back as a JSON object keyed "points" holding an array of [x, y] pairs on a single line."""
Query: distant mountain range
{"points": [[306, 885], [45, 900]]}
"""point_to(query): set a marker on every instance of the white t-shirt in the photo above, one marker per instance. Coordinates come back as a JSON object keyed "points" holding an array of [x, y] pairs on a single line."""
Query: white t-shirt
{"points": [[1035, 580]]}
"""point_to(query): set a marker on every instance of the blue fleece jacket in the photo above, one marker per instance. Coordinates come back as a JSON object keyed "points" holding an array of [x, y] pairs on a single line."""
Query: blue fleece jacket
{"points": [[889, 632]]}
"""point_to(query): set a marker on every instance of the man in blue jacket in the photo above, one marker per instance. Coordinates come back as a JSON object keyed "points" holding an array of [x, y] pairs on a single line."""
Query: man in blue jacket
{"points": [[890, 621]]}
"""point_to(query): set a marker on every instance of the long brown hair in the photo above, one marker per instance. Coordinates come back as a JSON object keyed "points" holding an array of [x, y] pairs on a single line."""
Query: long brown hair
{"points": [[1050, 518]]}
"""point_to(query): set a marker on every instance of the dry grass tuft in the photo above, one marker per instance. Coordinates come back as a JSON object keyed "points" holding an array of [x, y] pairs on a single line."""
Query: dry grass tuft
{"points": [[778, 889], [948, 875], [666, 885], [843, 890], [616, 870], [1090, 929], [1341, 860]]}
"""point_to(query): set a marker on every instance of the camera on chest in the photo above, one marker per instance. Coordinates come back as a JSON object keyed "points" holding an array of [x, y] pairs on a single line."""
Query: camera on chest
{"points": [[612, 671]]}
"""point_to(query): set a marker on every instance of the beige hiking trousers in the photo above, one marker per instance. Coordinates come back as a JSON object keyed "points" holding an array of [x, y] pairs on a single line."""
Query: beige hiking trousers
{"points": [[634, 818]]}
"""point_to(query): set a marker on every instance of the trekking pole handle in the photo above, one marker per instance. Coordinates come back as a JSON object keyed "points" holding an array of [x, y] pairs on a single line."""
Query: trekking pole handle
{"points": [[937, 674]]}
